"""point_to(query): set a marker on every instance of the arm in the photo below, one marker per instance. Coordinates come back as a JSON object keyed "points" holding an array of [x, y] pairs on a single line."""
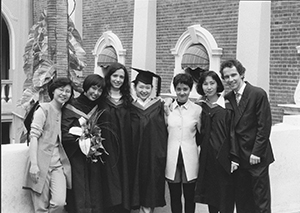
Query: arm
{"points": [[264, 122], [34, 168], [199, 122], [69, 119], [168, 105], [37, 125], [199, 132], [234, 149]]}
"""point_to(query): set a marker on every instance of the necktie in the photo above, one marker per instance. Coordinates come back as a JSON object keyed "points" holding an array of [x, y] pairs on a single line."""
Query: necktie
{"points": [[237, 98]]}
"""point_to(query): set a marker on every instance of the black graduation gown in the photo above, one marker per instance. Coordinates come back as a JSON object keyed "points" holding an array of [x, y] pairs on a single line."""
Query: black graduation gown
{"points": [[86, 195], [149, 150], [214, 182], [117, 166]]}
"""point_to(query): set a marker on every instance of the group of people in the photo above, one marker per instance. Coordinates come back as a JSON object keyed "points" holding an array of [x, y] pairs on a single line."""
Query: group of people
{"points": [[215, 150]]}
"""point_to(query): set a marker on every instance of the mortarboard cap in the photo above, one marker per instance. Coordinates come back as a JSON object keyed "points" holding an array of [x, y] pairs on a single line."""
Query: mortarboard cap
{"points": [[146, 77]]}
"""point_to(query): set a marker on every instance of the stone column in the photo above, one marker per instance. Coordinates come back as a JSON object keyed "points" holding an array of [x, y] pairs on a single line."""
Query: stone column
{"points": [[253, 41], [144, 36], [297, 91]]}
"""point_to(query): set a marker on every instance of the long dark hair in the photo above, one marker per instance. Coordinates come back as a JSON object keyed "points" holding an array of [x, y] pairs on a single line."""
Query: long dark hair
{"points": [[124, 89]]}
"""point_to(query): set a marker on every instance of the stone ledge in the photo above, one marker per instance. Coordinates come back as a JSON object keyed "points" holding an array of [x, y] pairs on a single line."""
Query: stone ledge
{"points": [[14, 198], [290, 109]]}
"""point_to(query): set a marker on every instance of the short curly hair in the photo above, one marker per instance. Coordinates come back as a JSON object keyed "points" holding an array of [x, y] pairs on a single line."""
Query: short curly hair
{"points": [[183, 78], [232, 63]]}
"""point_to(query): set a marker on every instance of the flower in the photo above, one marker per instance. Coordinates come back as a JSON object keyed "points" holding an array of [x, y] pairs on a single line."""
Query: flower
{"points": [[90, 140]]}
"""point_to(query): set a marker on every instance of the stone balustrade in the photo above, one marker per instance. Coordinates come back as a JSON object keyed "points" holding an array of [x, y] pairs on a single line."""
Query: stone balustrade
{"points": [[6, 91], [6, 100]]}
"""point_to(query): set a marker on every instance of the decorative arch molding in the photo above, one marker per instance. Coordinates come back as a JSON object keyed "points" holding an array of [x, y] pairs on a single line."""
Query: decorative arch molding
{"points": [[9, 18], [193, 35], [108, 38]]}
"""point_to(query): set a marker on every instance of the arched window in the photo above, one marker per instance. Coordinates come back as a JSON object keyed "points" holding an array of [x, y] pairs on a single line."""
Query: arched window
{"points": [[108, 49], [195, 61], [196, 50], [107, 56]]}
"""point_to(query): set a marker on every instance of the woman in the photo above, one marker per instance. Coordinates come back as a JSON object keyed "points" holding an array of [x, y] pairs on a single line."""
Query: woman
{"points": [[118, 139], [86, 194], [182, 153], [214, 183], [48, 172], [149, 136]]}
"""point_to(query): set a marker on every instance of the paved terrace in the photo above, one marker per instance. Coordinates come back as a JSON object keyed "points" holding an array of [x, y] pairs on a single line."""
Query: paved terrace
{"points": [[284, 173]]}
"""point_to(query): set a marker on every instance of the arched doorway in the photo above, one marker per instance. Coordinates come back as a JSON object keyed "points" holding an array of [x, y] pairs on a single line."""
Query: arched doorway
{"points": [[4, 50], [5, 85]]}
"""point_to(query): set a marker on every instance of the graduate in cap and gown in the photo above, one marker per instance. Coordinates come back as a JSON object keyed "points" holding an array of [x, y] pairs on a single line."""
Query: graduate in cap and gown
{"points": [[149, 135]]}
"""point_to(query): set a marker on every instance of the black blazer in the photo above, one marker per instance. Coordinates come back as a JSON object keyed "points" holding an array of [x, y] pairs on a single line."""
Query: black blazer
{"points": [[252, 125]]}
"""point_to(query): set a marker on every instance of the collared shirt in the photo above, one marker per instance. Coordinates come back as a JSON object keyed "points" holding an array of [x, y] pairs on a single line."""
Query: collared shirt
{"points": [[241, 90], [238, 94], [183, 122], [186, 112], [220, 102]]}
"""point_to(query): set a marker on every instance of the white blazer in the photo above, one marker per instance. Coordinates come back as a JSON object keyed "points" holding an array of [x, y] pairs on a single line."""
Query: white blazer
{"points": [[183, 122]]}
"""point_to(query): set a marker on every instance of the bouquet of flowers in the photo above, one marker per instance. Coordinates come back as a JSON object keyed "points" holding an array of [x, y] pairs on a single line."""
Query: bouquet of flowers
{"points": [[90, 140]]}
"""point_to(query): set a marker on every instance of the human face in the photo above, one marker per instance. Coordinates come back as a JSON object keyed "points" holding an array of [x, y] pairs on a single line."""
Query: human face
{"points": [[117, 79], [143, 91], [62, 94], [182, 92], [232, 78], [209, 87], [93, 93]]}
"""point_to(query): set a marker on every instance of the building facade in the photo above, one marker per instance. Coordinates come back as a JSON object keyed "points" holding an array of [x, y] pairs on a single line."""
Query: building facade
{"points": [[168, 37]]}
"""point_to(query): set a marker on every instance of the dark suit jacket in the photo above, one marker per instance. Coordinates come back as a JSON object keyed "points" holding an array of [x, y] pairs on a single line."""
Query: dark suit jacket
{"points": [[252, 125]]}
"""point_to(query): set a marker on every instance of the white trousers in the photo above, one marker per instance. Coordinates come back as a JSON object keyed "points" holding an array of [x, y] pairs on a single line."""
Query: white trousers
{"points": [[53, 197]]}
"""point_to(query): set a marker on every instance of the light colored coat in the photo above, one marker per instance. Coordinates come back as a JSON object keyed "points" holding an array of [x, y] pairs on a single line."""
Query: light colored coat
{"points": [[51, 132], [183, 122]]}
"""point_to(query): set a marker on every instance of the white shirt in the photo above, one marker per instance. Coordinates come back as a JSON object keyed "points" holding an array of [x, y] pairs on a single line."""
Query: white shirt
{"points": [[241, 90], [183, 122]]}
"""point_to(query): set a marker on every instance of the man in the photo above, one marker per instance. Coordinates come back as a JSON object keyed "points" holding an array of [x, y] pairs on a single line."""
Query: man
{"points": [[252, 126]]}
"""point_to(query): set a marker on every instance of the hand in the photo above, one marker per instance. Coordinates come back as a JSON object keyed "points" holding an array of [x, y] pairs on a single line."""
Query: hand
{"points": [[82, 121], [168, 105], [254, 159], [234, 166], [34, 172]]}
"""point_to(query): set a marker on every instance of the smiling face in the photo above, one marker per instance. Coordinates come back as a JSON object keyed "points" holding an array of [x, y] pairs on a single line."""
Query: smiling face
{"points": [[209, 87], [93, 93], [62, 94], [182, 92], [232, 78], [117, 79], [143, 91]]}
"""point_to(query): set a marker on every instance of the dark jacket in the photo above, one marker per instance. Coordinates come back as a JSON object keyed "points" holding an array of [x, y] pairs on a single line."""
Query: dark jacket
{"points": [[252, 125]]}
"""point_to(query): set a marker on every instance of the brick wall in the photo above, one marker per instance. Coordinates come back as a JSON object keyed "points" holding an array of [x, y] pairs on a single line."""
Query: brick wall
{"points": [[173, 17], [101, 16], [284, 59], [220, 18]]}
